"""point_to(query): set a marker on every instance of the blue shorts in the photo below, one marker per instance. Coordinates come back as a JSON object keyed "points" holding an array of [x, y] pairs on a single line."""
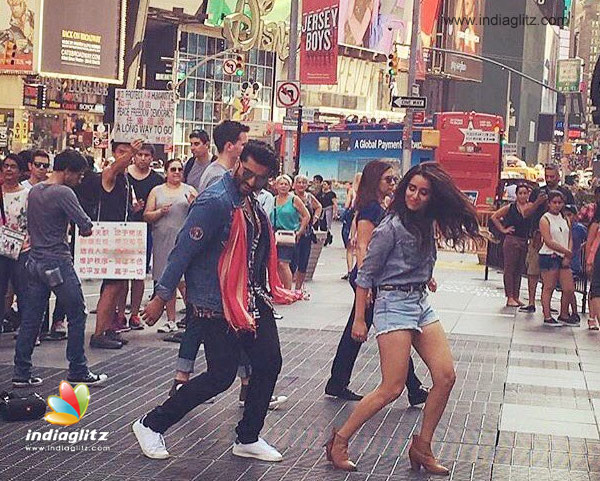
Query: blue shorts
{"points": [[286, 253], [399, 310], [550, 262]]}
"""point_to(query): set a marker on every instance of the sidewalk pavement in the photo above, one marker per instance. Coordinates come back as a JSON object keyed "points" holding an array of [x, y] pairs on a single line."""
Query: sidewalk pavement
{"points": [[525, 406]]}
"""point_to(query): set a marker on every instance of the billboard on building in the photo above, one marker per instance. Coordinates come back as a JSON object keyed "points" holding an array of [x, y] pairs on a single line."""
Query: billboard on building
{"points": [[319, 43], [18, 24], [217, 10], [82, 39], [464, 34], [374, 24]]}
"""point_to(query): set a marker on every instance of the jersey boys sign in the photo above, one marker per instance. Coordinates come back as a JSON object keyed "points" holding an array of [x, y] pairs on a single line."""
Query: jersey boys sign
{"points": [[319, 47]]}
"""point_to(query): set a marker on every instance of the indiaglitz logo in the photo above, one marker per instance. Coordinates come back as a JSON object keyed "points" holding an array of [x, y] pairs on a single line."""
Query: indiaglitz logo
{"points": [[70, 407]]}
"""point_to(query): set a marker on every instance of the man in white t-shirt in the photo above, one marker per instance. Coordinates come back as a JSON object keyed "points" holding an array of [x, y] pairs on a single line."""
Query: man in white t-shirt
{"points": [[39, 165]]}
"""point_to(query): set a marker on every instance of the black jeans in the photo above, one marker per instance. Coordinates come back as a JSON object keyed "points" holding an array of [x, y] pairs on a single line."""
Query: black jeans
{"points": [[346, 355], [13, 271], [222, 349]]}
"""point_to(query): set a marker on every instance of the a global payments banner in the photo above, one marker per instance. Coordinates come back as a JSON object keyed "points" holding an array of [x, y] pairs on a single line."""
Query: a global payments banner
{"points": [[339, 155]]}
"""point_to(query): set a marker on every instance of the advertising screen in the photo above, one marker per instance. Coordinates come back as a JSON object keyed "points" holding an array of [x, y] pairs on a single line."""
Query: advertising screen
{"points": [[18, 24], [86, 43], [464, 34]]}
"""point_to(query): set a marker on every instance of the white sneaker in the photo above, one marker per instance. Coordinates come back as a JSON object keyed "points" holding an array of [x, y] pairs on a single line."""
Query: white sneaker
{"points": [[167, 327], [151, 442], [258, 450], [274, 403], [277, 401]]}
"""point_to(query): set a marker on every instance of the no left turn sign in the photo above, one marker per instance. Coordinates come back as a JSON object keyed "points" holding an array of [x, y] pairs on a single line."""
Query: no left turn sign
{"points": [[288, 94], [229, 66]]}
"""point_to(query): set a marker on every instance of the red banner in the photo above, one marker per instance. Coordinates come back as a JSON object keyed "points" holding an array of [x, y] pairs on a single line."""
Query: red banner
{"points": [[319, 45]]}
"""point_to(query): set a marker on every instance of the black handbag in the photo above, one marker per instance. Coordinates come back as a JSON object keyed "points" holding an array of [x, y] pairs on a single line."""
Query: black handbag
{"points": [[16, 408]]}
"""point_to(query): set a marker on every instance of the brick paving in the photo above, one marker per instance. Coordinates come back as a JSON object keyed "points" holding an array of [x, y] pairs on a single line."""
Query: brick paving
{"points": [[469, 438]]}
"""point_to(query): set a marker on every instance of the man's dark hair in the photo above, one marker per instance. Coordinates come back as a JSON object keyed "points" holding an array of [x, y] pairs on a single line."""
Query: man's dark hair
{"points": [[262, 153], [148, 148], [553, 167], [39, 153], [318, 178], [70, 160], [200, 134], [228, 131], [90, 163], [26, 157], [18, 160]]}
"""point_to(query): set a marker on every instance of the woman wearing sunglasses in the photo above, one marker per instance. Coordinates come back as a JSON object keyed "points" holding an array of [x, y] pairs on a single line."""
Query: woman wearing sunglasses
{"points": [[376, 185], [166, 210], [399, 263]]}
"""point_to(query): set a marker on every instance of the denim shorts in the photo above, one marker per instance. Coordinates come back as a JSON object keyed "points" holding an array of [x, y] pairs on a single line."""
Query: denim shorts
{"points": [[285, 253], [399, 310], [550, 262]]}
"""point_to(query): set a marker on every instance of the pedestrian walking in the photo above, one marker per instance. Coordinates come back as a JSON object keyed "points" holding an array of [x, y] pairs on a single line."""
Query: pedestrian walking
{"points": [[38, 168], [305, 241], [15, 249], [555, 261], [579, 237], [377, 184], [399, 263], [166, 210], [514, 221], [226, 250], [328, 200], [347, 222], [290, 216], [52, 204]]}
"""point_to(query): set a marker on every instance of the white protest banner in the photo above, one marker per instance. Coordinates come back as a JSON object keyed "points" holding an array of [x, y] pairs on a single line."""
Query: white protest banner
{"points": [[115, 250], [144, 114]]}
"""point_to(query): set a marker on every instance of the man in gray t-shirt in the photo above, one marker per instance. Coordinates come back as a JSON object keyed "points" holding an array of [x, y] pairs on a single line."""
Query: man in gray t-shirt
{"points": [[212, 174], [200, 160], [52, 204]]}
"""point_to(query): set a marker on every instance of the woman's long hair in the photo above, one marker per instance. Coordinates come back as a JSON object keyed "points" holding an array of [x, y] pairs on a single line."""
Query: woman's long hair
{"points": [[368, 189], [454, 215]]}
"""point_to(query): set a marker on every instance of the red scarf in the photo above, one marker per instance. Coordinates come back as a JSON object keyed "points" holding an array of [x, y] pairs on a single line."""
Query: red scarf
{"points": [[234, 287]]}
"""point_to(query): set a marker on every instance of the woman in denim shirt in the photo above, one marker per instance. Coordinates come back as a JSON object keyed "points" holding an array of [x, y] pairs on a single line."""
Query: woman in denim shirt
{"points": [[399, 263]]}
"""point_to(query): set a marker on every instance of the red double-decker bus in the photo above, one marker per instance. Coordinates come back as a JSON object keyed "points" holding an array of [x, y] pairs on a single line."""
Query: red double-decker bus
{"points": [[470, 152]]}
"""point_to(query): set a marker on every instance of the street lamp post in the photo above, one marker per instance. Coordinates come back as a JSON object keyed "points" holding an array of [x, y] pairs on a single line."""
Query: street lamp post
{"points": [[412, 77]]}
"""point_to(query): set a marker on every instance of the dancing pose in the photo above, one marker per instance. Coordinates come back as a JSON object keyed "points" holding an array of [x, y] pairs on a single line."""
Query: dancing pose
{"points": [[376, 185], [399, 263]]}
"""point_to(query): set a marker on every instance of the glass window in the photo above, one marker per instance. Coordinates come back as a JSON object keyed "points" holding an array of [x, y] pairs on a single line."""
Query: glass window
{"points": [[219, 69], [184, 41], [209, 90], [190, 88], [192, 46], [210, 69], [218, 91], [218, 113], [252, 56], [200, 90], [199, 111], [251, 74], [189, 110], [180, 107], [201, 45], [220, 45], [208, 109], [211, 46]]}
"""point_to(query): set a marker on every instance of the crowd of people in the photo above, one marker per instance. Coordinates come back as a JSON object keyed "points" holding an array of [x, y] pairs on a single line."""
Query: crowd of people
{"points": [[234, 239], [547, 235]]}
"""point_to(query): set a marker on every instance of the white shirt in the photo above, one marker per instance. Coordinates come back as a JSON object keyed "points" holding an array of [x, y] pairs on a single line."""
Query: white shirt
{"points": [[559, 232], [266, 201]]}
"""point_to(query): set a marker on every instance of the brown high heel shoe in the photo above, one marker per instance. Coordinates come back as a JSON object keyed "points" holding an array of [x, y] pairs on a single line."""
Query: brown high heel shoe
{"points": [[337, 452], [420, 455]]}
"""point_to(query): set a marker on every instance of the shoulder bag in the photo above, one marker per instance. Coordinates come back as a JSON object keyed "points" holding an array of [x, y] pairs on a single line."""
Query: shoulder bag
{"points": [[11, 241], [284, 238]]}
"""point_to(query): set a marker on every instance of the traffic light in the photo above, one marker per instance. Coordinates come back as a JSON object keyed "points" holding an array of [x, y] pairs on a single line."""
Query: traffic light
{"points": [[240, 65], [393, 64]]}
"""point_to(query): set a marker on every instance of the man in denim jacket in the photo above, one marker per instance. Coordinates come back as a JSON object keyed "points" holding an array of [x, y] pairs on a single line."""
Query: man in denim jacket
{"points": [[196, 254]]}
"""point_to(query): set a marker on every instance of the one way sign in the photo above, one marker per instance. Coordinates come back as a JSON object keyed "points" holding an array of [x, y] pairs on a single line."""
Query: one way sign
{"points": [[410, 102]]}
